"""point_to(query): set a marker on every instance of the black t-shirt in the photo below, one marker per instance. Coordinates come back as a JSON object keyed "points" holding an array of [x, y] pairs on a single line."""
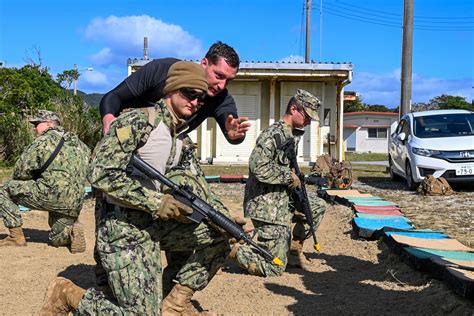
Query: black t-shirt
{"points": [[145, 86]]}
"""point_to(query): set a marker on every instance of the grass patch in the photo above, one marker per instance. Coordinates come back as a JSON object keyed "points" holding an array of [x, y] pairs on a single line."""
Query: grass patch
{"points": [[219, 170], [365, 156], [370, 172]]}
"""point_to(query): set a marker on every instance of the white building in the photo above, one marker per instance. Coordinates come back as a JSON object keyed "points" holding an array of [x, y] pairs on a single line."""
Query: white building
{"points": [[368, 131], [261, 91]]}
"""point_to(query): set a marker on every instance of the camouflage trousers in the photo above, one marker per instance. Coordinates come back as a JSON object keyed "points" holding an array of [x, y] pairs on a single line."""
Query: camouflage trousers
{"points": [[129, 245], [277, 239], [26, 193]]}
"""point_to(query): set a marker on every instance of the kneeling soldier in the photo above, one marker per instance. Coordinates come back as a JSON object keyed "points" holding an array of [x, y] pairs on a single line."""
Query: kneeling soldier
{"points": [[49, 176]]}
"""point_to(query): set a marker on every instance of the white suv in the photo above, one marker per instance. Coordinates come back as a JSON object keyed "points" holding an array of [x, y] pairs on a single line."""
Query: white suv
{"points": [[438, 142]]}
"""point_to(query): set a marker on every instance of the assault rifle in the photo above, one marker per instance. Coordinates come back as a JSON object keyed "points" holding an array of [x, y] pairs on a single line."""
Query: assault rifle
{"points": [[201, 209], [300, 196]]}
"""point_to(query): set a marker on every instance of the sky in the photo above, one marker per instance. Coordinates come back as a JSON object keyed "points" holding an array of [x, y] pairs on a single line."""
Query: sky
{"points": [[103, 34]]}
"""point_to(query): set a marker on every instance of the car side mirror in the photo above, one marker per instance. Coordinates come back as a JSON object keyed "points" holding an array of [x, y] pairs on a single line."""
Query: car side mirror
{"points": [[401, 137]]}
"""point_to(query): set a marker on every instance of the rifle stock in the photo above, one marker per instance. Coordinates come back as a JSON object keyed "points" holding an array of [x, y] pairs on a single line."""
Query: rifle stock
{"points": [[201, 209]]}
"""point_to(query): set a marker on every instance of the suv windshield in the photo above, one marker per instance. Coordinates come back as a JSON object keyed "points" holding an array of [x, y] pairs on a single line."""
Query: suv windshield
{"points": [[447, 125]]}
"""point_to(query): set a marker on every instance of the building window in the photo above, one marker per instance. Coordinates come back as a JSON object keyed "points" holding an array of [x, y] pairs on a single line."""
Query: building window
{"points": [[327, 117], [377, 133]]}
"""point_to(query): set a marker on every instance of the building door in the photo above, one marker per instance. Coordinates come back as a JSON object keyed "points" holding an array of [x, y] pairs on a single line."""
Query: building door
{"points": [[247, 98]]}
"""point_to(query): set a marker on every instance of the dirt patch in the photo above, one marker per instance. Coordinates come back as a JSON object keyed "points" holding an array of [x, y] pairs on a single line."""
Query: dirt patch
{"points": [[349, 276]]}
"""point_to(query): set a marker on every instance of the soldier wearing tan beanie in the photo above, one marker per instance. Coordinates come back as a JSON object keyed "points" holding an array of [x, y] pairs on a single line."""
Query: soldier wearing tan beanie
{"points": [[185, 74]]}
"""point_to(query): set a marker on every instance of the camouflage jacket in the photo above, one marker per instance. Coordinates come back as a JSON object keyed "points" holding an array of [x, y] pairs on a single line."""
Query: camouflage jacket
{"points": [[266, 192], [108, 169], [65, 176]]}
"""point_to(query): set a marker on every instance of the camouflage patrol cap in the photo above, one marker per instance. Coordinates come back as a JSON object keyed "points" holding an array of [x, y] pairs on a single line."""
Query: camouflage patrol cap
{"points": [[309, 102], [44, 116]]}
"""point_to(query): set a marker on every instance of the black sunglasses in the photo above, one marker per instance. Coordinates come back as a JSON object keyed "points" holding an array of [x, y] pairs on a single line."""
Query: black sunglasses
{"points": [[192, 94]]}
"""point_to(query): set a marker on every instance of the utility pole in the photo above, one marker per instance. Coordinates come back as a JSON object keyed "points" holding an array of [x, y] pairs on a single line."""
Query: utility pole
{"points": [[145, 48], [75, 78], [407, 52], [321, 31], [307, 58]]}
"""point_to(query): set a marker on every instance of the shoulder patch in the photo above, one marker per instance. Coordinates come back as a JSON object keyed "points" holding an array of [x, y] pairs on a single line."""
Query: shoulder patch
{"points": [[123, 133]]}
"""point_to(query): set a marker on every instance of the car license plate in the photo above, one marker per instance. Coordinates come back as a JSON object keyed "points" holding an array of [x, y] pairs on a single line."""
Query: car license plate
{"points": [[467, 170]]}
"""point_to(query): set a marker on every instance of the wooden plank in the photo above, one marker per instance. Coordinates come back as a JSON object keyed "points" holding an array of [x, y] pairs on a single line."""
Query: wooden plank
{"points": [[368, 208], [464, 264], [424, 253], [438, 244], [378, 216], [419, 234], [343, 193]]}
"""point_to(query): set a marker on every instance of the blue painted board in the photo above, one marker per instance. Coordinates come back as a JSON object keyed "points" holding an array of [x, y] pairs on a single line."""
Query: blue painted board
{"points": [[367, 227], [424, 253], [376, 224], [213, 179], [420, 234], [23, 208], [378, 216], [375, 203]]}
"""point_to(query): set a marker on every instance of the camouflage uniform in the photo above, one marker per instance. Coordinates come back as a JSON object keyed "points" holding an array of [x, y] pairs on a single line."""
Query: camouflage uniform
{"points": [[59, 190], [268, 203], [129, 239]]}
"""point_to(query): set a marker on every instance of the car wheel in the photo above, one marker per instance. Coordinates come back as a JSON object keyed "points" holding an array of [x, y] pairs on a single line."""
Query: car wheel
{"points": [[411, 184], [393, 175]]}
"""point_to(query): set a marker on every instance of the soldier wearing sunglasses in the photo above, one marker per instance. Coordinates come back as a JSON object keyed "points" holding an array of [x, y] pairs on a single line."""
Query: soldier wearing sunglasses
{"points": [[144, 87]]}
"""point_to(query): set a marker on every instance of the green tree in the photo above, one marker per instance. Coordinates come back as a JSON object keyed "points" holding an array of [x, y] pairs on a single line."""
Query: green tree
{"points": [[377, 108], [67, 77], [27, 89], [450, 102], [354, 106]]}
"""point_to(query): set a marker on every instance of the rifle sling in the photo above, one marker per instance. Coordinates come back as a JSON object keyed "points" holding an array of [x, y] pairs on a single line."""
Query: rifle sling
{"points": [[37, 173]]}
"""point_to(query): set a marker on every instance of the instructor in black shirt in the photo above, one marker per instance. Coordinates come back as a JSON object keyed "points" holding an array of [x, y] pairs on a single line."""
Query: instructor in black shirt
{"points": [[145, 86]]}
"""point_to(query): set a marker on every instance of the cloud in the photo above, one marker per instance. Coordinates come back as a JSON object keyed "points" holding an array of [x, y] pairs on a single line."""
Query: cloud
{"points": [[384, 88], [122, 38]]}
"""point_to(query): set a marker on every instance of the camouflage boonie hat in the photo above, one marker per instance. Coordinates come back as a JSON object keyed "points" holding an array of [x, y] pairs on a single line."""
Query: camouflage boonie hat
{"points": [[44, 116], [309, 102]]}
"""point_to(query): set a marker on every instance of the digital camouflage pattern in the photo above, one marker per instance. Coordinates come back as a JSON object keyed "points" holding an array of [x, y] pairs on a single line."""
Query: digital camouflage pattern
{"points": [[191, 175], [129, 241], [44, 116], [266, 191], [268, 203], [59, 190], [276, 238], [309, 102], [108, 169]]}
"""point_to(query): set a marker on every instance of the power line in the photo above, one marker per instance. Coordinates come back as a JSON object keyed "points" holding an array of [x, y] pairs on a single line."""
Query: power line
{"points": [[416, 16], [357, 15], [396, 17]]}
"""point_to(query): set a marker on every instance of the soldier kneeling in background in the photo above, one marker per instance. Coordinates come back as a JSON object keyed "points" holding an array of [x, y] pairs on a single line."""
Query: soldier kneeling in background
{"points": [[49, 176]]}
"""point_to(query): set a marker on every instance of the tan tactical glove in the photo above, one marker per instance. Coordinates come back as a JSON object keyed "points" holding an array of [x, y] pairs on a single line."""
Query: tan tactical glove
{"points": [[171, 208], [296, 183]]}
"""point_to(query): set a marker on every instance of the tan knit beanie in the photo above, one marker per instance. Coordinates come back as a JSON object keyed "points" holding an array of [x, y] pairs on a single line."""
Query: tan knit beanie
{"points": [[185, 74]]}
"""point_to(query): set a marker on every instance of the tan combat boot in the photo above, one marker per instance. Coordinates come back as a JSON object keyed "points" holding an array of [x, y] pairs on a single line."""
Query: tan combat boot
{"points": [[16, 238], [299, 259], [78, 241], [62, 297], [178, 302]]}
